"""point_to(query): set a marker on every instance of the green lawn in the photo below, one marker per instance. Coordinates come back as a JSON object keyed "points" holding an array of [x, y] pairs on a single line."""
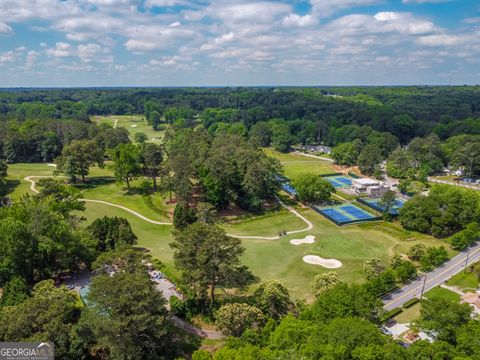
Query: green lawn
{"points": [[467, 282], [17, 172], [268, 259], [409, 315], [134, 124], [100, 185], [268, 225], [441, 293], [294, 164], [352, 245]]}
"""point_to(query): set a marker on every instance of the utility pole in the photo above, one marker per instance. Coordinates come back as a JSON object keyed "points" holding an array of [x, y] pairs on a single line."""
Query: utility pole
{"points": [[423, 286], [466, 261]]}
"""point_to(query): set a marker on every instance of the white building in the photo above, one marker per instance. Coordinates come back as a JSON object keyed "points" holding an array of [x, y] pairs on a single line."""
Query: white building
{"points": [[373, 188]]}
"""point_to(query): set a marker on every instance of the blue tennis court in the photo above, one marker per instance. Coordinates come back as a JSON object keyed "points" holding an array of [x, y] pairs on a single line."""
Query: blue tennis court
{"points": [[345, 214], [357, 212], [337, 215], [339, 181], [376, 204]]}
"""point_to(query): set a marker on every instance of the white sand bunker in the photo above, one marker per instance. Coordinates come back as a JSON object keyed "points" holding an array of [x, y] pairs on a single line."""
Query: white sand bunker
{"points": [[134, 125], [326, 263], [309, 239], [52, 165]]}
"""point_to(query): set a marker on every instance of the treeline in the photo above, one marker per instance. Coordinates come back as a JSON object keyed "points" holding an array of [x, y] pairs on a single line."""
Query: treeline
{"points": [[44, 140], [405, 112], [444, 212]]}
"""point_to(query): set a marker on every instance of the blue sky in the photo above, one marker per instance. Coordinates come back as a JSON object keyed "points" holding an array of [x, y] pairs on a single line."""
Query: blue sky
{"points": [[238, 42]]}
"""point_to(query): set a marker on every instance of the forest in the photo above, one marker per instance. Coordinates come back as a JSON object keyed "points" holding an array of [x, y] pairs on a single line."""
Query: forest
{"points": [[215, 154]]}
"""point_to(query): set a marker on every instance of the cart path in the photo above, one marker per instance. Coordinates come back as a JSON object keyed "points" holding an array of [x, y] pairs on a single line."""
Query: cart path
{"points": [[33, 188], [133, 212]]}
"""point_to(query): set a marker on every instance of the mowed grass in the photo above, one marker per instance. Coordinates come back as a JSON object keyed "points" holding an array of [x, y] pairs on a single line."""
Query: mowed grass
{"points": [[467, 282], [16, 184], [134, 124], [441, 293], [100, 185], [409, 315], [267, 259], [268, 225], [294, 164], [352, 245]]}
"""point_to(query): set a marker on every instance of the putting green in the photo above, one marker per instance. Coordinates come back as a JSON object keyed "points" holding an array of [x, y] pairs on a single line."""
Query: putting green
{"points": [[267, 259]]}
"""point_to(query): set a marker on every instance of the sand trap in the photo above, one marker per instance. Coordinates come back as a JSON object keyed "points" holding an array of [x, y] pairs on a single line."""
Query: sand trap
{"points": [[326, 263], [309, 239], [133, 125], [52, 165]]}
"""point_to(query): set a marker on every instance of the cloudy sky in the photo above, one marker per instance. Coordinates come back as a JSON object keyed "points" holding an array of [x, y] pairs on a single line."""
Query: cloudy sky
{"points": [[238, 42]]}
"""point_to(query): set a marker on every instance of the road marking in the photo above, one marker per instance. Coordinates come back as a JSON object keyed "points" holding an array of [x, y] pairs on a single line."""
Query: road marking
{"points": [[434, 277]]}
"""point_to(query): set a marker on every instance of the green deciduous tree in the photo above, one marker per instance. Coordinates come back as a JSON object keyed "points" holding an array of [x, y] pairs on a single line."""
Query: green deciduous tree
{"points": [[313, 188], [273, 299], [416, 252], [373, 268], [126, 162], [234, 319], [388, 200], [77, 158], [369, 159], [140, 137], [443, 318], [324, 282], [47, 315]]}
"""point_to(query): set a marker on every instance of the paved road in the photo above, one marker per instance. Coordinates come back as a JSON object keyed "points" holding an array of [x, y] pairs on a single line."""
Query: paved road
{"points": [[434, 278], [314, 156], [473, 186]]}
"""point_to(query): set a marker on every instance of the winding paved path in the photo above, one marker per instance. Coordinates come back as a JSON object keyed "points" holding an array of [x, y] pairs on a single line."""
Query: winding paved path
{"points": [[33, 188], [434, 278], [133, 212]]}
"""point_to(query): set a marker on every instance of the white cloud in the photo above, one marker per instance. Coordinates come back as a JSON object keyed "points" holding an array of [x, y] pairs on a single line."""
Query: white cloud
{"points": [[154, 37], [6, 57], [295, 20], [60, 50], [21, 10], [326, 8], [5, 29], [251, 12], [442, 40], [31, 58], [423, 1]]}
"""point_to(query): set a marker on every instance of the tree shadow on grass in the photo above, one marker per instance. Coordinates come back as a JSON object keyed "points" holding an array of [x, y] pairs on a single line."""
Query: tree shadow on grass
{"points": [[11, 185], [92, 183]]}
